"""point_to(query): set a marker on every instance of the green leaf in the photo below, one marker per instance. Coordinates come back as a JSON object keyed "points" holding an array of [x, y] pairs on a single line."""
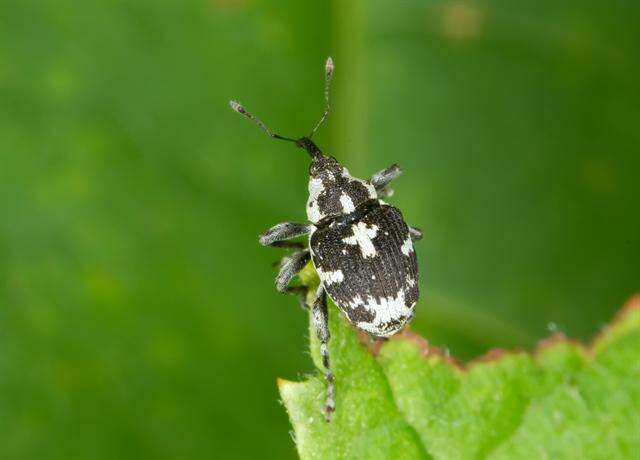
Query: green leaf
{"points": [[407, 399]]}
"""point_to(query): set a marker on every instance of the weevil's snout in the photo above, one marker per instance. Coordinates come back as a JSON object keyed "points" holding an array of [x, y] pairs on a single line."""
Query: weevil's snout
{"points": [[309, 146]]}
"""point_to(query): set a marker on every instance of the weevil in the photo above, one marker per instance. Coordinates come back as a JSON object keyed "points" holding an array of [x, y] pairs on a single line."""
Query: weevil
{"points": [[360, 246]]}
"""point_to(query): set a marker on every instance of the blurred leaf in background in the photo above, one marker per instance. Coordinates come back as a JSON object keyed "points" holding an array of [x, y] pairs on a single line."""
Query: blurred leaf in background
{"points": [[517, 124], [138, 317]]}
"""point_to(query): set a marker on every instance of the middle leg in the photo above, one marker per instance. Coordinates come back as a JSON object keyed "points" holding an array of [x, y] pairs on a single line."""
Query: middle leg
{"points": [[290, 266]]}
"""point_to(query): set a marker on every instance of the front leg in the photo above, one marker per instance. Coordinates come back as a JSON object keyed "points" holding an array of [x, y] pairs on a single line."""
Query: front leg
{"points": [[277, 236], [321, 325], [284, 231], [381, 179]]}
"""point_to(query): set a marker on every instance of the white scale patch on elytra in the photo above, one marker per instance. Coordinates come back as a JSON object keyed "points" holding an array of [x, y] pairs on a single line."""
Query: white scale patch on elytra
{"points": [[410, 281], [330, 277], [347, 203], [362, 236], [386, 309], [407, 246]]}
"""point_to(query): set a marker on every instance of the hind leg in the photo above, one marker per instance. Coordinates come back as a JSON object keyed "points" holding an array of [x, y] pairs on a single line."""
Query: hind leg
{"points": [[321, 325]]}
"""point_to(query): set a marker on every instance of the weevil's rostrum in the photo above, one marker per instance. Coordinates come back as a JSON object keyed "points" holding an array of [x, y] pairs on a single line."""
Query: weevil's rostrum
{"points": [[360, 246]]}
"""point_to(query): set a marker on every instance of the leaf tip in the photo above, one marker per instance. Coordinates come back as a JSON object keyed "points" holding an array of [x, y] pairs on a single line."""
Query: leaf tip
{"points": [[283, 383]]}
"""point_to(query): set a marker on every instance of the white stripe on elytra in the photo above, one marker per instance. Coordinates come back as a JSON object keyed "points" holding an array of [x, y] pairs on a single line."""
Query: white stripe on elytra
{"points": [[386, 309], [362, 236], [407, 246], [330, 277]]}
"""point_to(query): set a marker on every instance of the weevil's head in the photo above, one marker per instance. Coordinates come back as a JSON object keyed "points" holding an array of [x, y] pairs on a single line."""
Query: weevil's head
{"points": [[332, 190]]}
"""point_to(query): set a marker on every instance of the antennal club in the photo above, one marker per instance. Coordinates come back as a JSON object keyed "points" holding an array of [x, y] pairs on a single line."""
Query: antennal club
{"points": [[237, 107], [328, 68]]}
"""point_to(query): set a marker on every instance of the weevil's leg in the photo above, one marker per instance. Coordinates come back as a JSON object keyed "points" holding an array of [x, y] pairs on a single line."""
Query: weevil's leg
{"points": [[321, 325], [415, 234], [290, 266], [385, 192], [284, 231], [382, 178], [288, 245], [301, 293]]}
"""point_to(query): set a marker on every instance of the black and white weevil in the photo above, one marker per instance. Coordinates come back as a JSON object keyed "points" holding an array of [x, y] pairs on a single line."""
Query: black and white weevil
{"points": [[360, 246]]}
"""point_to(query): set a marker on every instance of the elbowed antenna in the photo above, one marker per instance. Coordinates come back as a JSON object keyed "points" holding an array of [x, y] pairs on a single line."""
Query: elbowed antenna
{"points": [[236, 106], [304, 142], [328, 69]]}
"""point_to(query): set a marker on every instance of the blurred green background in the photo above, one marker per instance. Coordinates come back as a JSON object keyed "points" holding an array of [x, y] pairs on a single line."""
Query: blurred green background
{"points": [[138, 316]]}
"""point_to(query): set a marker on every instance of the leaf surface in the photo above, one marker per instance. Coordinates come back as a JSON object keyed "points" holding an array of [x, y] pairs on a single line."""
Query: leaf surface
{"points": [[406, 399]]}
